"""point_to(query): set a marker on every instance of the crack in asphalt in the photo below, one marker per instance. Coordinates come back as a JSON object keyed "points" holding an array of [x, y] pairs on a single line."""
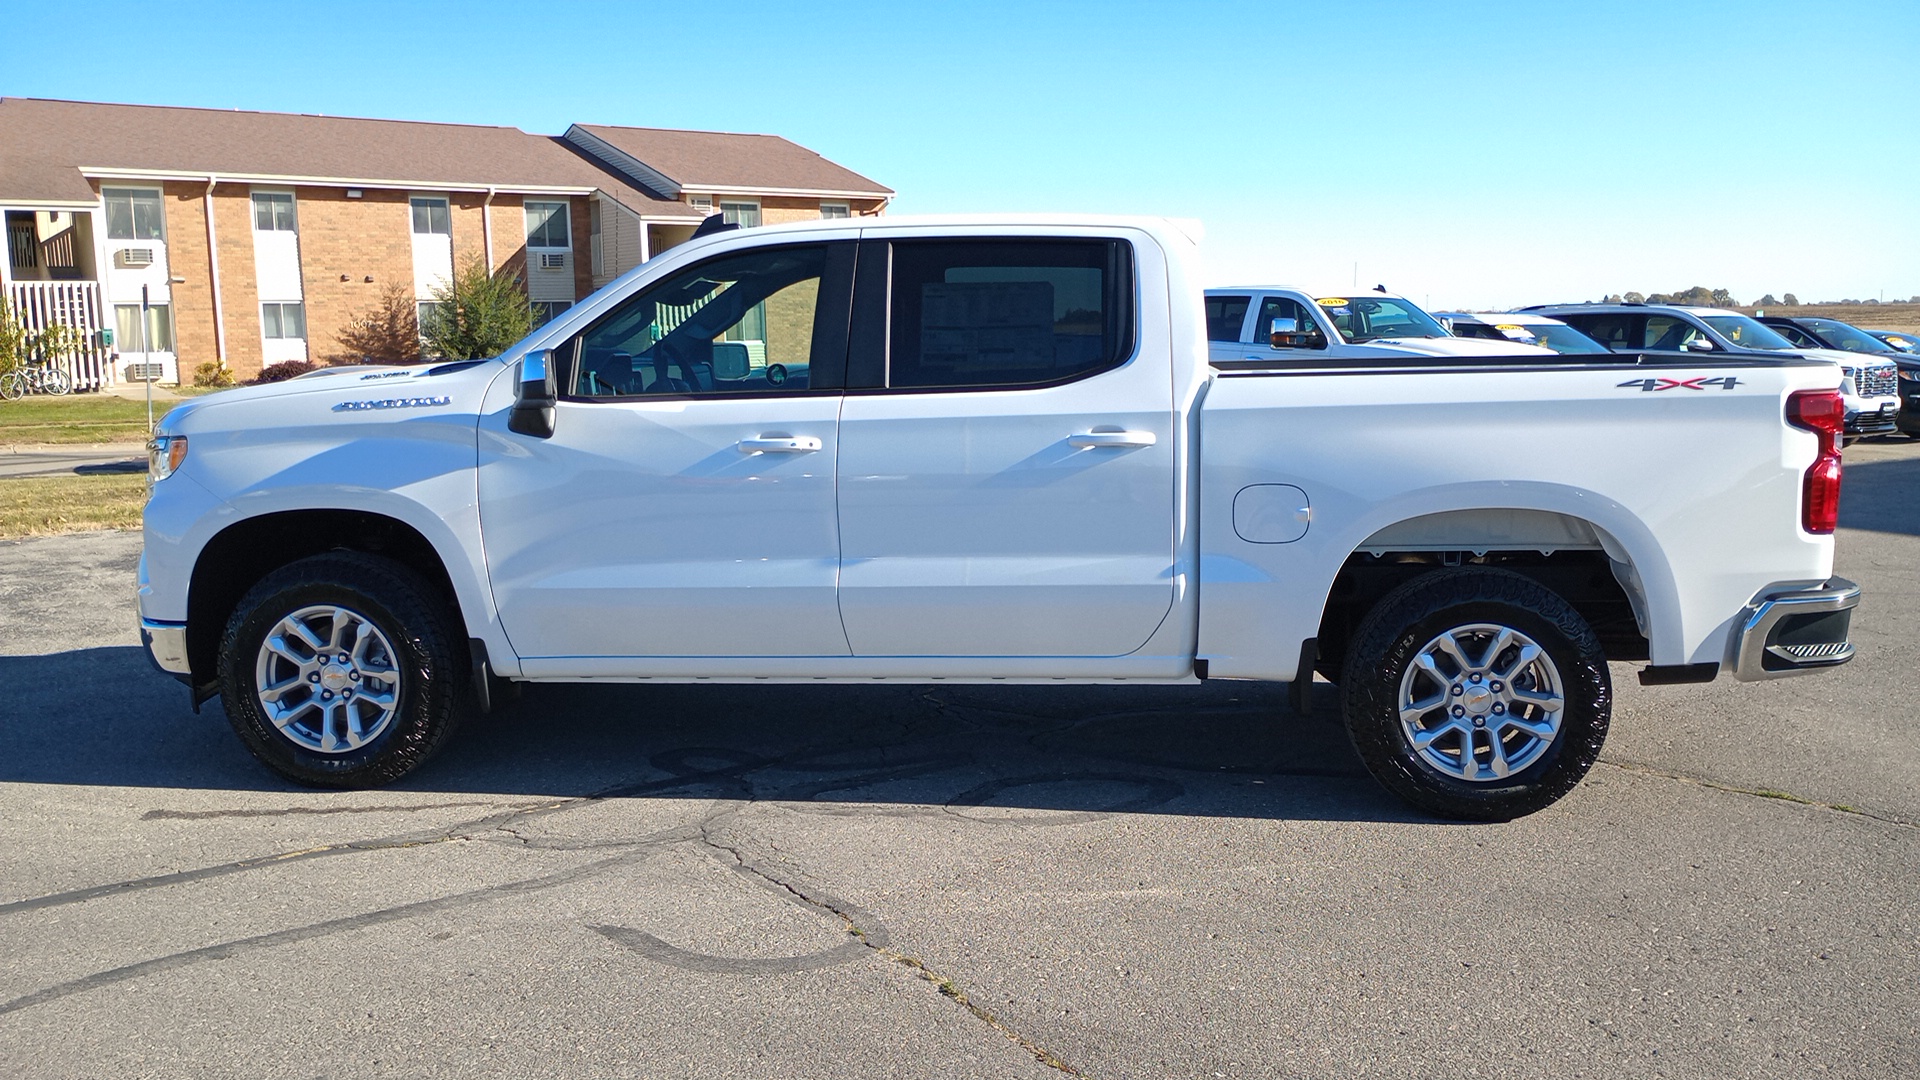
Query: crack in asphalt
{"points": [[296, 811], [1641, 769], [872, 935], [228, 949]]}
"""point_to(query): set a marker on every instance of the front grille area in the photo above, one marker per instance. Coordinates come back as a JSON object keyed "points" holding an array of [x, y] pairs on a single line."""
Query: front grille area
{"points": [[1878, 381]]}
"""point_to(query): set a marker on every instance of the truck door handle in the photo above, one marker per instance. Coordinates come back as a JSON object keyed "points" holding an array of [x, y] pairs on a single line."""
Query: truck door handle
{"points": [[1119, 439], [779, 444]]}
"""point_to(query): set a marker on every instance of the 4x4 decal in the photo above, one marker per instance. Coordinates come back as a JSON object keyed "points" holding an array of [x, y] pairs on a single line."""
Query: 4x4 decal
{"points": [[1726, 382]]}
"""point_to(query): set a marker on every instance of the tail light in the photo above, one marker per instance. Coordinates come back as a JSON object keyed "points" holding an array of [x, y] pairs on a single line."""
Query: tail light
{"points": [[1825, 414]]}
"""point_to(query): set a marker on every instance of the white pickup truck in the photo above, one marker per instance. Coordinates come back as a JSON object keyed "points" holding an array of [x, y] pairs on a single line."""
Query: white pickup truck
{"points": [[989, 450]]}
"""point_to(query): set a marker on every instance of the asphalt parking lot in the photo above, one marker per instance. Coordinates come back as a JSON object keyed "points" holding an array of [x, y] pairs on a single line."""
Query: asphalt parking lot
{"points": [[894, 881]]}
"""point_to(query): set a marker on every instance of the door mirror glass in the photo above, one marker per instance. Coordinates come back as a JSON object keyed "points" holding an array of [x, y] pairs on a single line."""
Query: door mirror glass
{"points": [[532, 412]]}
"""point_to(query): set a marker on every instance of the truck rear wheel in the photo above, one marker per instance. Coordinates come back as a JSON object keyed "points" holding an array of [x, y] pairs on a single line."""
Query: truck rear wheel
{"points": [[1476, 694], [339, 671]]}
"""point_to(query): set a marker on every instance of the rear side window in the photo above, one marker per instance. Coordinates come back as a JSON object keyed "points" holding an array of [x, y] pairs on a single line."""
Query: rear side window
{"points": [[1225, 315], [1008, 313], [1613, 331]]}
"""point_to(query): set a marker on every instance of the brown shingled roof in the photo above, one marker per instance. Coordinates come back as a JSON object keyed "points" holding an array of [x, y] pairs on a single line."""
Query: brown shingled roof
{"points": [[696, 160], [45, 144]]}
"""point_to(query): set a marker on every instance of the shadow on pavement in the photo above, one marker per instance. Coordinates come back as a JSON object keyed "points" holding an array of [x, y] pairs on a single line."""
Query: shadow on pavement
{"points": [[1878, 494], [104, 717]]}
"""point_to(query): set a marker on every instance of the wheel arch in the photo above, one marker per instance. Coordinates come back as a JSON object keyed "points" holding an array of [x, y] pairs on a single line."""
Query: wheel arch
{"points": [[1585, 563], [245, 551]]}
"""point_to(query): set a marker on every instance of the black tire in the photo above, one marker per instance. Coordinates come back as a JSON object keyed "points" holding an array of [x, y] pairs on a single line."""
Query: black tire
{"points": [[1414, 617], [428, 661]]}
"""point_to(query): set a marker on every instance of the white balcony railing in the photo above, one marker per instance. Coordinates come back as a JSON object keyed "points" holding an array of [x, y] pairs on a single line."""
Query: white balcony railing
{"points": [[40, 304]]}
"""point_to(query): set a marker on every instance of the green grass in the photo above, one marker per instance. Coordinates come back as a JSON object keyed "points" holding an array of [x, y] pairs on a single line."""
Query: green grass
{"points": [[76, 419], [48, 505]]}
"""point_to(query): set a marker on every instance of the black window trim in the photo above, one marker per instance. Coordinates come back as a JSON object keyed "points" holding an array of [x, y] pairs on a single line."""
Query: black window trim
{"points": [[869, 343], [836, 288]]}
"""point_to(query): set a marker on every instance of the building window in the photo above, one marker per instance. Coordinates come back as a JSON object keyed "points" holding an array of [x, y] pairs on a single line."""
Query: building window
{"points": [[547, 225], [126, 328], [273, 212], [545, 311], [835, 211], [133, 214], [431, 217], [744, 214], [286, 321], [702, 203]]}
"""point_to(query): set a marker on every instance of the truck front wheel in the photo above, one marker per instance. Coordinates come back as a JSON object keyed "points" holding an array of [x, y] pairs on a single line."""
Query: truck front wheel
{"points": [[1476, 694], [339, 671]]}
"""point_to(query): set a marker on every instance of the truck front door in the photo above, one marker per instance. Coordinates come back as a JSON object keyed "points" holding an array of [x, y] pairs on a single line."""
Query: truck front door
{"points": [[1007, 449], [684, 506]]}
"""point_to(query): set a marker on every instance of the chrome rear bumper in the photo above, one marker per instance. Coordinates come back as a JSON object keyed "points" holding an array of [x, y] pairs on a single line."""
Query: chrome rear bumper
{"points": [[1794, 630]]}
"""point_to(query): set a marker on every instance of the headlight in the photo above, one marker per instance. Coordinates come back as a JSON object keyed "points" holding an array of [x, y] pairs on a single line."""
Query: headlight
{"points": [[164, 455], [1910, 374]]}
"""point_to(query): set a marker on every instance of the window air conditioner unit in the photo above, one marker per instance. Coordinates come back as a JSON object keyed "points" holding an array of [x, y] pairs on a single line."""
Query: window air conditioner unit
{"points": [[553, 260], [132, 257]]}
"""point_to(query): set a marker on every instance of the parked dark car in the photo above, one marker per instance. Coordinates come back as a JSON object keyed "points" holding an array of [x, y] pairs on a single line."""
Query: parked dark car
{"points": [[1834, 334]]}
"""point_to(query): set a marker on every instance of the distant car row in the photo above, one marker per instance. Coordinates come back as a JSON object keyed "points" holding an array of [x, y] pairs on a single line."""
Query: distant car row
{"points": [[1880, 369]]}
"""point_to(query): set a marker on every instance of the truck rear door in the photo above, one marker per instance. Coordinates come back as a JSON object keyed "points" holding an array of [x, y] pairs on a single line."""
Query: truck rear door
{"points": [[1006, 450]]}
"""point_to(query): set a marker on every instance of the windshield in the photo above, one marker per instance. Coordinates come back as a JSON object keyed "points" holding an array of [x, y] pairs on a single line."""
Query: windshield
{"points": [[1747, 334], [1365, 318], [1841, 336], [1560, 338]]}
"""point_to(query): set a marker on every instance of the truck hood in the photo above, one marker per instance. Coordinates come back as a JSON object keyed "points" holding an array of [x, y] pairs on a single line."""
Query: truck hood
{"points": [[358, 389], [1452, 346]]}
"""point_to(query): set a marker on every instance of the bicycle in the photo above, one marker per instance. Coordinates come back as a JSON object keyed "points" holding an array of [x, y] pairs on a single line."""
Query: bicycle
{"points": [[34, 379]]}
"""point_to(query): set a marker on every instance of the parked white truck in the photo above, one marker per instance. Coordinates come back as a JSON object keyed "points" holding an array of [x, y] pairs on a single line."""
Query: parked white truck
{"points": [[1261, 323], [974, 450]]}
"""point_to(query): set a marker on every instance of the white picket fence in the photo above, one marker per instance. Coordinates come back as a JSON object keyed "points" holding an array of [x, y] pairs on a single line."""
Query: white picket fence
{"points": [[40, 304]]}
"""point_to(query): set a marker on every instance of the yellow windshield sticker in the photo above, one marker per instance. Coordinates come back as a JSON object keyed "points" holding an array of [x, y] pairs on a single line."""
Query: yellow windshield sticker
{"points": [[1508, 326], [1332, 301]]}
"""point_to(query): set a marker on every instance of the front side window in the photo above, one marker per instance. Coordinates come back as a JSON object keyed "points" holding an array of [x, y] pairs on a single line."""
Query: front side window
{"points": [[133, 214], [431, 217], [1667, 333], [283, 321], [736, 324], [126, 328], [1225, 316], [273, 212], [547, 225], [1797, 337], [1006, 313], [1306, 332]]}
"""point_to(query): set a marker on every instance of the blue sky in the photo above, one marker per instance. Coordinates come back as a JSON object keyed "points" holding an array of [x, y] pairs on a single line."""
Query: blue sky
{"points": [[1467, 154]]}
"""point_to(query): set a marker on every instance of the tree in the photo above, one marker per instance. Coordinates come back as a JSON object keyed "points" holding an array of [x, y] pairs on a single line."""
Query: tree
{"points": [[1636, 298], [477, 314], [1723, 298], [387, 333], [1790, 300], [1765, 301]]}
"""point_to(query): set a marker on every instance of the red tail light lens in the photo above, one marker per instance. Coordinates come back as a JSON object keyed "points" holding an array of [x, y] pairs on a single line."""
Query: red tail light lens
{"points": [[1825, 414]]}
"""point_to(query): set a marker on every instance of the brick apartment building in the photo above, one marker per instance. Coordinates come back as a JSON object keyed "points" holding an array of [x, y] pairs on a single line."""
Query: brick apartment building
{"points": [[257, 237]]}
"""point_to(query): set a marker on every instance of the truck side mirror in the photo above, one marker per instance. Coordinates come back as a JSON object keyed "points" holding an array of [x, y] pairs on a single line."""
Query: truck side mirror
{"points": [[1698, 344], [533, 402], [1288, 334]]}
